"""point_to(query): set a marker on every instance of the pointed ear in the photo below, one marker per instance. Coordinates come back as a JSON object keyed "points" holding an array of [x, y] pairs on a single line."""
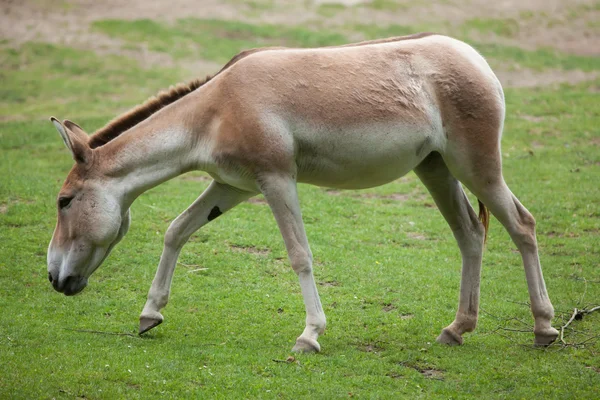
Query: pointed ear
{"points": [[75, 139]]}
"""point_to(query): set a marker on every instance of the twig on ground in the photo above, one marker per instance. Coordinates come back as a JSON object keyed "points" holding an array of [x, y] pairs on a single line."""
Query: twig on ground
{"points": [[584, 291], [102, 333], [562, 328], [591, 310], [517, 330], [586, 340], [577, 315], [578, 278], [188, 265], [289, 360], [520, 303]]}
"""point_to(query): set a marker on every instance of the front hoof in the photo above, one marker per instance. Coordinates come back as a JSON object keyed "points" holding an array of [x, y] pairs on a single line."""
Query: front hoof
{"points": [[545, 338], [304, 345], [449, 337], [147, 323]]}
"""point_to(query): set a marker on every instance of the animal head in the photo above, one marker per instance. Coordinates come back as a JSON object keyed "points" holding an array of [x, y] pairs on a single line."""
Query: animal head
{"points": [[90, 220]]}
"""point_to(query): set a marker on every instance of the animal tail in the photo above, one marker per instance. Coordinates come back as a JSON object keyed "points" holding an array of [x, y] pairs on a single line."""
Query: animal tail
{"points": [[484, 217]]}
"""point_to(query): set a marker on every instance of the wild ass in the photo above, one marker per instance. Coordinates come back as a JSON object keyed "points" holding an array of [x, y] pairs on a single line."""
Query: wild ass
{"points": [[350, 117]]}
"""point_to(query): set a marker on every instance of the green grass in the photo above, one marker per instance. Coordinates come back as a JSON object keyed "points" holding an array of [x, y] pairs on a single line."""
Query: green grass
{"points": [[39, 80], [330, 9], [540, 59], [388, 270], [213, 39], [503, 27], [219, 40], [385, 5]]}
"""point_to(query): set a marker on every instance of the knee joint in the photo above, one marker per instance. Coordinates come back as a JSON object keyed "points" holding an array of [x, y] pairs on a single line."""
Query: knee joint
{"points": [[173, 237], [301, 261]]}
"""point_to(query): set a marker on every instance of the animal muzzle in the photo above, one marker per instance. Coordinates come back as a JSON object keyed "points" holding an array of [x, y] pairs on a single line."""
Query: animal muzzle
{"points": [[69, 285]]}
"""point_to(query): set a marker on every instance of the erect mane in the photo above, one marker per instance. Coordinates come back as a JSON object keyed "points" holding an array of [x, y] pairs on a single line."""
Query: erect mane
{"points": [[155, 103], [141, 112]]}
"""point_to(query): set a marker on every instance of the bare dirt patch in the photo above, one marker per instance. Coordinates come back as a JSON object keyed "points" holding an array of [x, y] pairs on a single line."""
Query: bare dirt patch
{"points": [[568, 26], [257, 200], [530, 78], [249, 249], [69, 24], [565, 25], [329, 283], [370, 348], [416, 236], [427, 372]]}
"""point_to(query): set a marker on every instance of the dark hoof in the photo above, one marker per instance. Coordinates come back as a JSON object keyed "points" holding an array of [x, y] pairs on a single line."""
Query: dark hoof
{"points": [[148, 323], [450, 338], [545, 338]]}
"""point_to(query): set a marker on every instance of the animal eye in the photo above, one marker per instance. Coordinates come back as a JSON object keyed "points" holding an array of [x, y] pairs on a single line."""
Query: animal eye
{"points": [[64, 202]]}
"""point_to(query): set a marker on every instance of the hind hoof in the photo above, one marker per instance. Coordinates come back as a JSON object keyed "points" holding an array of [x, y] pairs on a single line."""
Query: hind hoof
{"points": [[450, 338]]}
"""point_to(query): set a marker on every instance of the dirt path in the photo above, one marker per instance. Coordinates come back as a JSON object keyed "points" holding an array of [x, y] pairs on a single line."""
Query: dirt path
{"points": [[565, 25]]}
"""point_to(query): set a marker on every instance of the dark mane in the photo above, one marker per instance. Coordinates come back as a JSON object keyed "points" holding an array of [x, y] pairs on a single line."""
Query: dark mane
{"points": [[155, 103], [141, 112]]}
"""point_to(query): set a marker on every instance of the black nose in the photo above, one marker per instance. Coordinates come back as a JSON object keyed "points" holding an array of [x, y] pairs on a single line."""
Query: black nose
{"points": [[53, 280]]}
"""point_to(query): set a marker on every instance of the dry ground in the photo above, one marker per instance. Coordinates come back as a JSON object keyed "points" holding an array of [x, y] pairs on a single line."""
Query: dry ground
{"points": [[569, 26]]}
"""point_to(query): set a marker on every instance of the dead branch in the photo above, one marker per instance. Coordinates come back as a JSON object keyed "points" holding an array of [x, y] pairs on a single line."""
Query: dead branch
{"points": [[591, 310], [562, 328], [584, 291], [517, 330], [577, 315], [188, 265]]}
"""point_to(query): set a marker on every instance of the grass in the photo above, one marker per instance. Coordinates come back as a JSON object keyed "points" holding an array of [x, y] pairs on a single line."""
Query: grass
{"points": [[503, 27], [330, 9], [219, 40], [40, 79], [388, 270], [216, 40], [385, 5]]}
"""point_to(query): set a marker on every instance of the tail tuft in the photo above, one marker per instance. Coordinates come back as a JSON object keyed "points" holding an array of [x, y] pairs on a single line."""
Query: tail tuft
{"points": [[484, 217]]}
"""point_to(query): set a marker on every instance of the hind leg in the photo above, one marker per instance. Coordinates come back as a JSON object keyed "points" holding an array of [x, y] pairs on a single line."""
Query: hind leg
{"points": [[482, 175], [469, 232]]}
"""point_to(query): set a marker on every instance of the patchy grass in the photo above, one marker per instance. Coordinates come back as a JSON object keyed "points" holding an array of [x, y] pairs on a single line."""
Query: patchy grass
{"points": [[385, 5], [377, 32], [507, 27], [39, 80], [540, 59], [330, 9], [216, 40], [386, 264], [220, 40]]}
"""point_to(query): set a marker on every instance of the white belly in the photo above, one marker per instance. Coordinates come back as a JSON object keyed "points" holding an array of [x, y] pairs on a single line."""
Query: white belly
{"points": [[362, 157]]}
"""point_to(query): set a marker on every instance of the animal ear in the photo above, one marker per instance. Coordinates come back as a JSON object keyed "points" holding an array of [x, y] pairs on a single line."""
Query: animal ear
{"points": [[75, 139]]}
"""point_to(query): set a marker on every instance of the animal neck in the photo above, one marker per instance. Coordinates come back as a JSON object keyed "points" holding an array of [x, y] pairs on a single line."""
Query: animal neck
{"points": [[169, 143]]}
